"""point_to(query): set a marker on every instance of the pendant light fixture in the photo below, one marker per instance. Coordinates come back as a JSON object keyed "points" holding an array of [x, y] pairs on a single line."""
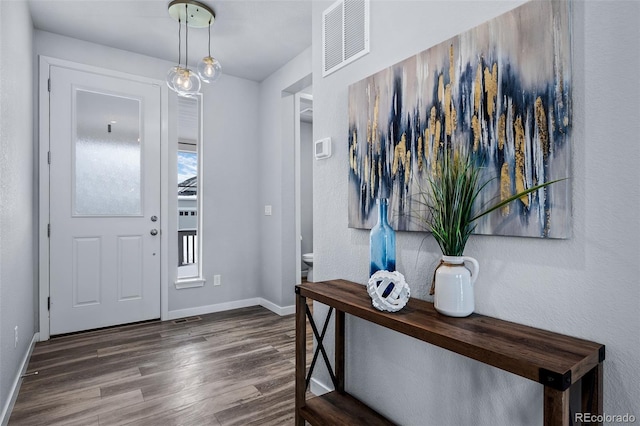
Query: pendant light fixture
{"points": [[194, 14], [209, 68], [186, 82]]}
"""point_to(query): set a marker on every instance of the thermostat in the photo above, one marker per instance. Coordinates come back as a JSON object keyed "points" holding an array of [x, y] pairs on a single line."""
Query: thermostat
{"points": [[322, 148]]}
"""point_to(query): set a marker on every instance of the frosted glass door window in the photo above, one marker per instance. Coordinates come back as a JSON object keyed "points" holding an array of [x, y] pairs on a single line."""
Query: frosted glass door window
{"points": [[107, 155]]}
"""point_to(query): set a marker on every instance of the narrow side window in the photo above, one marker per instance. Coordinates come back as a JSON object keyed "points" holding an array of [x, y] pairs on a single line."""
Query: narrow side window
{"points": [[188, 203]]}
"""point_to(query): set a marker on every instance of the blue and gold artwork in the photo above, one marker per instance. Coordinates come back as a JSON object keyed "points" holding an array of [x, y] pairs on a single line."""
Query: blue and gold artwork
{"points": [[501, 91]]}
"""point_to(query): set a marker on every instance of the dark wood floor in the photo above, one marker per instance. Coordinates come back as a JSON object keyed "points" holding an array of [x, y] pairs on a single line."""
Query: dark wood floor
{"points": [[228, 368]]}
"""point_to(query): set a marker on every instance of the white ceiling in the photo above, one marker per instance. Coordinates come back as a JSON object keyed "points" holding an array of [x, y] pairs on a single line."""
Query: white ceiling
{"points": [[251, 38]]}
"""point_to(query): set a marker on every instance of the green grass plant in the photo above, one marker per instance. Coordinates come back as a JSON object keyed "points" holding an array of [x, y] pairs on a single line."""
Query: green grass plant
{"points": [[450, 199]]}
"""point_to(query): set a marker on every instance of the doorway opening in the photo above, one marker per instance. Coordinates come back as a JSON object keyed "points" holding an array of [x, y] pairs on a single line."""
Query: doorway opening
{"points": [[304, 160]]}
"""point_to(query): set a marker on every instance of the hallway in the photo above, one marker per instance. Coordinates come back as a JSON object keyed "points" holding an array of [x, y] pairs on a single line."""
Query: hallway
{"points": [[227, 368]]}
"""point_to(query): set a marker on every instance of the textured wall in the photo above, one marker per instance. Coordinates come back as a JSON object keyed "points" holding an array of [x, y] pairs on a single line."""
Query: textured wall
{"points": [[586, 286], [276, 184], [17, 252], [230, 195]]}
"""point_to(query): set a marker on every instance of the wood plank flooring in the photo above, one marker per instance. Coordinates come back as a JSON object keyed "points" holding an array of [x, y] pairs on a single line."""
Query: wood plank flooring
{"points": [[228, 368]]}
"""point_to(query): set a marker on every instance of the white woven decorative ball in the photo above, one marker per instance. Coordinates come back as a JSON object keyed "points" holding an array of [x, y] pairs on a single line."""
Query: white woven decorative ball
{"points": [[388, 291]]}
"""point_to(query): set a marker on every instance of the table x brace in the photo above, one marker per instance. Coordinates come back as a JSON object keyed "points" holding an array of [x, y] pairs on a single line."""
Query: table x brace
{"points": [[320, 347]]}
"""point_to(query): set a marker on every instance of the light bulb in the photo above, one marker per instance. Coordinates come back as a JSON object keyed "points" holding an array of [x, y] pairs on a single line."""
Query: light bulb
{"points": [[209, 69], [185, 85], [183, 82], [186, 82]]}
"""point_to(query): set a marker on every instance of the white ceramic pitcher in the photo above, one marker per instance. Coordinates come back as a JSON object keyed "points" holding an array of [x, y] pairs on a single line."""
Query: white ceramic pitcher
{"points": [[454, 286]]}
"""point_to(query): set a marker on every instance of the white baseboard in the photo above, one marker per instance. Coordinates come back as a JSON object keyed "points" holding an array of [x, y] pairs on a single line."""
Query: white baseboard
{"points": [[209, 309], [227, 306], [280, 310], [15, 388], [318, 388]]}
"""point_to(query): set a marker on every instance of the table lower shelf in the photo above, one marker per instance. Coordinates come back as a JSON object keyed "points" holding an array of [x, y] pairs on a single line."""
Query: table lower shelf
{"points": [[338, 409]]}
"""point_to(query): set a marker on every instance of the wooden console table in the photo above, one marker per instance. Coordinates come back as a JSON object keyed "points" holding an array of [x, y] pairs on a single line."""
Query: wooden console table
{"points": [[560, 363]]}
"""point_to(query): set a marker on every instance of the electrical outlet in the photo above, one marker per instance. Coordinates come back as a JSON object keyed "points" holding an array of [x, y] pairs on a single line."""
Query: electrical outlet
{"points": [[217, 280], [15, 335]]}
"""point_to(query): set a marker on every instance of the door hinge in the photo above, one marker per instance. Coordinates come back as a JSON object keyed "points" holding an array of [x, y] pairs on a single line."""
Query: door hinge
{"points": [[48, 157], [49, 303], [49, 84], [48, 230]]}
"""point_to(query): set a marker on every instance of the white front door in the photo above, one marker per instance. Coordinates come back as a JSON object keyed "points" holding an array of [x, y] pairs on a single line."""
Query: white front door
{"points": [[104, 200]]}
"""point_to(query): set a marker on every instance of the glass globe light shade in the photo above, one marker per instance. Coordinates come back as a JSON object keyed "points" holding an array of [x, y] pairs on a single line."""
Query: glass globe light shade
{"points": [[170, 76], [186, 82], [209, 69]]}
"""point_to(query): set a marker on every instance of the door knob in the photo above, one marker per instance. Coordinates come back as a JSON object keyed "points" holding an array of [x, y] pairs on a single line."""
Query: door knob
{"points": [[154, 218], [154, 232]]}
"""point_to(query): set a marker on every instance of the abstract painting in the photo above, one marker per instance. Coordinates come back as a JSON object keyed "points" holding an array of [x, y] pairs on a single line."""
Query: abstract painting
{"points": [[500, 91]]}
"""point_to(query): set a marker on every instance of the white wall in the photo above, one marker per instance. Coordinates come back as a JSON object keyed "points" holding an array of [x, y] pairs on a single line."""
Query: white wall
{"points": [[228, 187], [276, 183], [17, 216], [229, 195], [586, 286]]}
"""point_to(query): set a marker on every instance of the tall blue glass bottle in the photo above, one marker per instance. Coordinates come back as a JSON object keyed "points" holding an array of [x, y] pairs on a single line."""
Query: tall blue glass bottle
{"points": [[382, 242]]}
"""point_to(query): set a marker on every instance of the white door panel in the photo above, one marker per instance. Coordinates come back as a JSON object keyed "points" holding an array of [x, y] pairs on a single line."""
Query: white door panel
{"points": [[86, 280], [104, 189], [130, 273]]}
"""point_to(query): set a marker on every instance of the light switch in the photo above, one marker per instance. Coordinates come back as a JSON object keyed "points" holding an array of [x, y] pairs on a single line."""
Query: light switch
{"points": [[267, 210]]}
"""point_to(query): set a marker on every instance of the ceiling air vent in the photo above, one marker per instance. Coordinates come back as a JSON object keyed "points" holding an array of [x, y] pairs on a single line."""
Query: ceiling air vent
{"points": [[345, 34]]}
